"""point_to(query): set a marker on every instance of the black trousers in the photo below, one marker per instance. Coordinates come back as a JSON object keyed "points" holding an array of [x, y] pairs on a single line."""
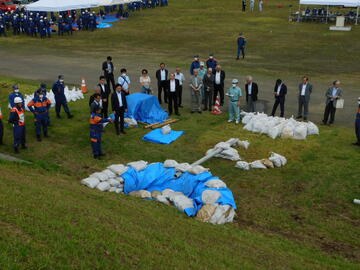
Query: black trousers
{"points": [[61, 102], [161, 88], [329, 110], [105, 106], [173, 100], [110, 79], [119, 119], [180, 95], [219, 89], [1, 132], [281, 101]]}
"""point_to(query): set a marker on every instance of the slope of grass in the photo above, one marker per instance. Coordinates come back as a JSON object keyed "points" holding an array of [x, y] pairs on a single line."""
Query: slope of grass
{"points": [[296, 217]]}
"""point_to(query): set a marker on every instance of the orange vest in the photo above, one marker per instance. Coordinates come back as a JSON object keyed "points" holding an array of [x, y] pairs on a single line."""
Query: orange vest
{"points": [[21, 115], [1, 116]]}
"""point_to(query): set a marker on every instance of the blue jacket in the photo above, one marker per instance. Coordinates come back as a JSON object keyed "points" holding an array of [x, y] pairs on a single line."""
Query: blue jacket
{"points": [[211, 63], [241, 41], [194, 65], [96, 123], [37, 105], [59, 90], [12, 96]]}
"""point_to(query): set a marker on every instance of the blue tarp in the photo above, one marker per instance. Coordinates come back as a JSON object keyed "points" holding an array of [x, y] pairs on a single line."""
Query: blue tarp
{"points": [[104, 25], [156, 177], [145, 108], [156, 136]]}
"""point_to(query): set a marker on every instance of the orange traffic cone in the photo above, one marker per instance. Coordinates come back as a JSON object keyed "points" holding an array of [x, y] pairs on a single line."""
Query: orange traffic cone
{"points": [[83, 86], [216, 109]]}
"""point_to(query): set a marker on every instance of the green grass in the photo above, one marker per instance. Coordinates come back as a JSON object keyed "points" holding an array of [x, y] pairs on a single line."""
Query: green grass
{"points": [[296, 217]]}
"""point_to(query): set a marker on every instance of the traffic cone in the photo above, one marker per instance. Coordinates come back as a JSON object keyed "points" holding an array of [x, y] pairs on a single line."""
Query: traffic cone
{"points": [[216, 109], [83, 86]]}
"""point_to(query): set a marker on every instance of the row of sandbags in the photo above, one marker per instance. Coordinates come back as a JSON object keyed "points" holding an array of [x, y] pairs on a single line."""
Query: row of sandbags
{"points": [[71, 95], [278, 127]]}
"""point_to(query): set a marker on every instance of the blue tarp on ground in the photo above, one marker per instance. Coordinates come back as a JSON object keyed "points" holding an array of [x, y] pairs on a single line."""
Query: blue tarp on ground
{"points": [[156, 136], [104, 25], [156, 177], [145, 108]]}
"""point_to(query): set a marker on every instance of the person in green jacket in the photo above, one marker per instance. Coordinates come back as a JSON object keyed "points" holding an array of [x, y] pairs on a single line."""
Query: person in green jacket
{"points": [[234, 93]]}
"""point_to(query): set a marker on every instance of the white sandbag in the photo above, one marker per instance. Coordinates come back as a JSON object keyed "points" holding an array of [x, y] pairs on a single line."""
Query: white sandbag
{"points": [[210, 196], [215, 183], [170, 163], [267, 163], [119, 190], [197, 169], [183, 167], [223, 145], [230, 153], [257, 164], [275, 131], [312, 129], [300, 132], [249, 126], [118, 169], [155, 193], [242, 165], [109, 173], [138, 165], [167, 192], [113, 182], [163, 199], [244, 144], [165, 130], [247, 118], [120, 179], [112, 189], [288, 132], [222, 215], [182, 202], [90, 182], [258, 125], [100, 175], [103, 186], [131, 122], [206, 212], [172, 195], [277, 159], [144, 194]]}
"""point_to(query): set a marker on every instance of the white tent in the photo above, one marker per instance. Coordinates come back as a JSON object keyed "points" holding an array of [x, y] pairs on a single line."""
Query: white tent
{"points": [[61, 5]]}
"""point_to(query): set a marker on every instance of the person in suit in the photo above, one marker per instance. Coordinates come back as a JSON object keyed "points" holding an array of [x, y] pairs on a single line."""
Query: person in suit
{"points": [[357, 125], [208, 88], [280, 91], [119, 107], [108, 68], [219, 79], [305, 90], [332, 95], [252, 90], [173, 89], [180, 76], [162, 76], [196, 85], [243, 5], [104, 91]]}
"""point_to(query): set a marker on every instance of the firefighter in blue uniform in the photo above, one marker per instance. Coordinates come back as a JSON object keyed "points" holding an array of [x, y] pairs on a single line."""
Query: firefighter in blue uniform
{"points": [[2, 27], [241, 42], [357, 124], [40, 106], [13, 95], [60, 98], [96, 127], [195, 64], [17, 118]]}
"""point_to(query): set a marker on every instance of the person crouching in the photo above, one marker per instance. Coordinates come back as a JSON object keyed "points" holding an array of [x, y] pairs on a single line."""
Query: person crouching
{"points": [[17, 118], [234, 94], [96, 127]]}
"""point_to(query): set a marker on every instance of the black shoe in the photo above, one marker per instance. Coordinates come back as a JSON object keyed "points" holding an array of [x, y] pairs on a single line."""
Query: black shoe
{"points": [[70, 116], [299, 117], [58, 116], [199, 111], [237, 58], [192, 112], [305, 119], [178, 114], [96, 157], [38, 138], [16, 150], [117, 133], [102, 154], [23, 146], [46, 135], [122, 132], [181, 106]]}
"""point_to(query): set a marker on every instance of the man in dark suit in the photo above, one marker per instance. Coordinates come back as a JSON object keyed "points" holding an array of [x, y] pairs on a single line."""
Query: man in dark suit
{"points": [[280, 91], [305, 89], [251, 89], [108, 68], [219, 78], [119, 107], [173, 89], [162, 76], [104, 92]]}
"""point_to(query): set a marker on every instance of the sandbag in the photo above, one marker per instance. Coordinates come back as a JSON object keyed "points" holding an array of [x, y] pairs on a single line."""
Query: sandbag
{"points": [[155, 193], [222, 214], [249, 126], [258, 125], [210, 196], [167, 192], [257, 164], [267, 163], [120, 179], [90, 182], [183, 167], [165, 130], [144, 194], [182, 202], [247, 118], [109, 173], [288, 132], [119, 190], [274, 132], [170, 163], [100, 175], [300, 132], [244, 144], [135, 193], [243, 165], [131, 122], [197, 169], [103, 186], [222, 145], [138, 165], [206, 212], [312, 129], [230, 153], [118, 169], [215, 183], [113, 182], [163, 200], [277, 159], [112, 189], [172, 195]]}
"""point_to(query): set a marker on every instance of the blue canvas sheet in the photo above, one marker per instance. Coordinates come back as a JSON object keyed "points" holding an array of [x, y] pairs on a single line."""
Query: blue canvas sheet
{"points": [[145, 108], [156, 136], [104, 25], [156, 177]]}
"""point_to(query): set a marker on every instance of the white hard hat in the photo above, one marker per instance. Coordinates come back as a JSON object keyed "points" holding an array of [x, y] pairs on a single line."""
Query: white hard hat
{"points": [[18, 100]]}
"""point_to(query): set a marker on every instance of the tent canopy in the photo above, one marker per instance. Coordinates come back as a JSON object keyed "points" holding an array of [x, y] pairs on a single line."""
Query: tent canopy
{"points": [[61, 5], [346, 3]]}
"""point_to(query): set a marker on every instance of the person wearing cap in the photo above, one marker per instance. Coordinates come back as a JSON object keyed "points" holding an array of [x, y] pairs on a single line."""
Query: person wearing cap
{"points": [[108, 69], [181, 78], [60, 98], [41, 90], [17, 118], [208, 89], [2, 27], [124, 81], [195, 64], [234, 93], [241, 42], [1, 128], [40, 106], [60, 26], [357, 125], [16, 93], [96, 128], [211, 62]]}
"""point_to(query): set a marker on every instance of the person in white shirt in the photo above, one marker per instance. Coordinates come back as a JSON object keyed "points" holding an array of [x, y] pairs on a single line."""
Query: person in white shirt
{"points": [[261, 5], [145, 82], [172, 88], [305, 90], [332, 96], [219, 84], [251, 90], [181, 78], [162, 76], [280, 91], [124, 81]]}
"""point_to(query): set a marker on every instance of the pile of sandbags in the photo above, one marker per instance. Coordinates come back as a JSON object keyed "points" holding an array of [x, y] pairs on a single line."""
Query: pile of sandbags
{"points": [[71, 95], [278, 127], [275, 160], [107, 180], [229, 152]]}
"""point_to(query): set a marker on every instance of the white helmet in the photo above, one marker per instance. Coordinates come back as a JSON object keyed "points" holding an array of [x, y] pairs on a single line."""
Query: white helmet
{"points": [[18, 100]]}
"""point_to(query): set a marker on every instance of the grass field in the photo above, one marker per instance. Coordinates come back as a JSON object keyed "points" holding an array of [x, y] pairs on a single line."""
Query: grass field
{"points": [[297, 217]]}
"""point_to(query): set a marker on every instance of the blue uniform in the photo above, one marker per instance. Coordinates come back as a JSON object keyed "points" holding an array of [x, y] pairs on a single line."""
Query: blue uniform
{"points": [[12, 96], [17, 118], [357, 125], [211, 63], [40, 108], [96, 128], [60, 99], [241, 42], [194, 65]]}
